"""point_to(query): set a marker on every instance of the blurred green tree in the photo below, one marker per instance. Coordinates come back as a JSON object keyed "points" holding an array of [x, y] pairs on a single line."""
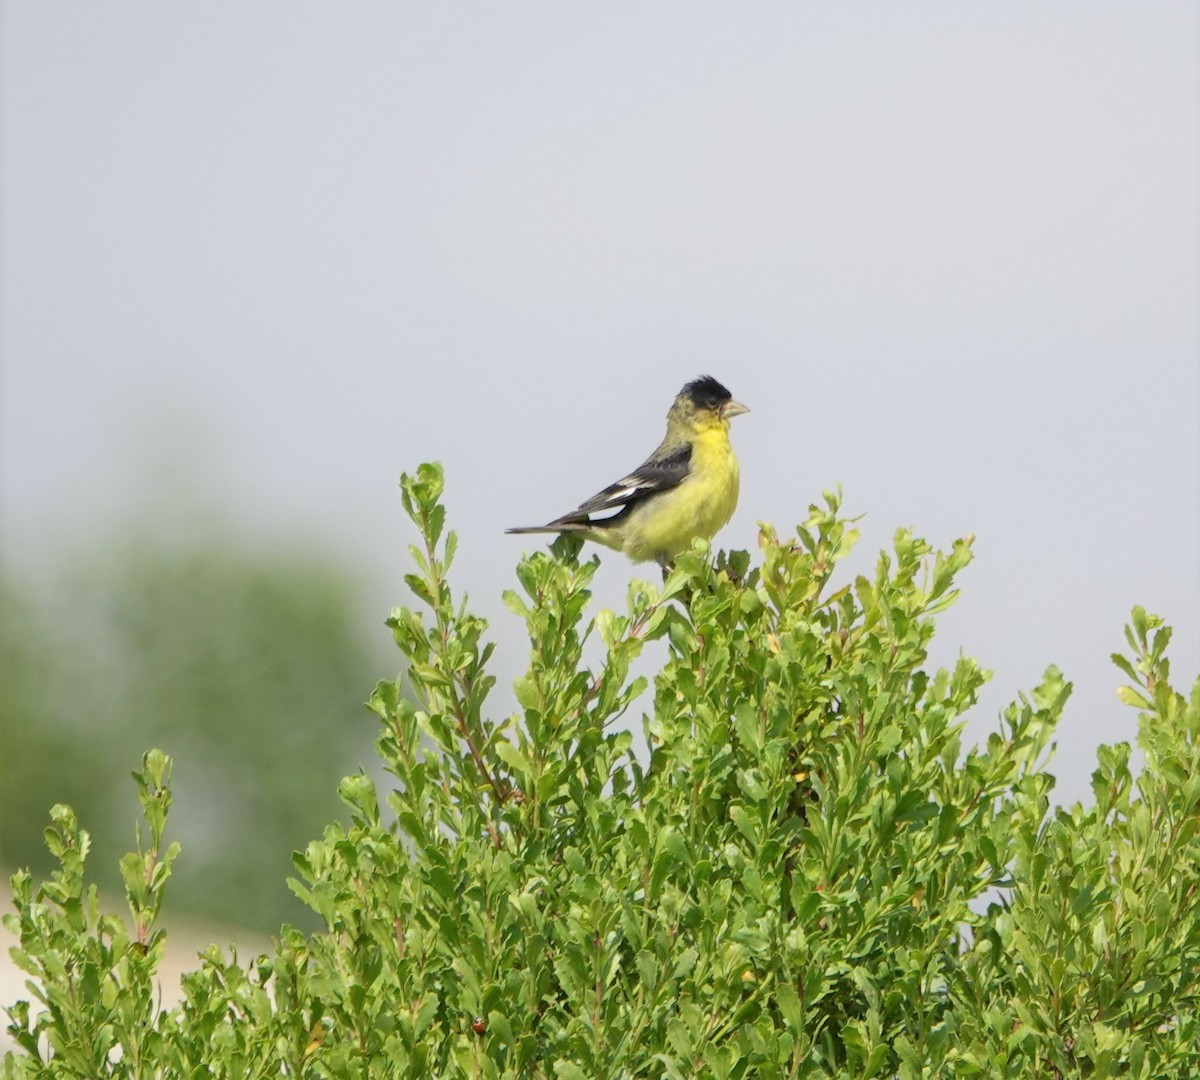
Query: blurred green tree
{"points": [[246, 661]]}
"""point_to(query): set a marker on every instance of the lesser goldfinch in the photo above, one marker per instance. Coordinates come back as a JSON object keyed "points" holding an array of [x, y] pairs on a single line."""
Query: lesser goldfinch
{"points": [[687, 488]]}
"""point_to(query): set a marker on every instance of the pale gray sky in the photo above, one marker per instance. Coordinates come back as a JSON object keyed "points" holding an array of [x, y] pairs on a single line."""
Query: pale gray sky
{"points": [[946, 252]]}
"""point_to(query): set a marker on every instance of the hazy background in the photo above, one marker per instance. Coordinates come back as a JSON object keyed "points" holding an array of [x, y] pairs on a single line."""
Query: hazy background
{"points": [[260, 257]]}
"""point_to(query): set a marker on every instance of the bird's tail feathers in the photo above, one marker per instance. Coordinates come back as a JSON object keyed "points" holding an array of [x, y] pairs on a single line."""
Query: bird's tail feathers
{"points": [[572, 526]]}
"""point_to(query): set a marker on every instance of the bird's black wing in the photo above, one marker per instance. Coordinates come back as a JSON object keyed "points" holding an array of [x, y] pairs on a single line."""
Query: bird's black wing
{"points": [[654, 476]]}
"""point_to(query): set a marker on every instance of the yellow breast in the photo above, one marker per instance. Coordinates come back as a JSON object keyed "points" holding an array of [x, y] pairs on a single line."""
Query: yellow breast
{"points": [[698, 507]]}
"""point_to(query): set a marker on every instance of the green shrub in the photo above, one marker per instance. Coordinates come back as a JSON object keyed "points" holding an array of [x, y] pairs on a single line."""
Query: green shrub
{"points": [[801, 872]]}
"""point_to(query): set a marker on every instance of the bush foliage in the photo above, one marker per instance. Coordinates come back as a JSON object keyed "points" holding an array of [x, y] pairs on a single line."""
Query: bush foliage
{"points": [[801, 873]]}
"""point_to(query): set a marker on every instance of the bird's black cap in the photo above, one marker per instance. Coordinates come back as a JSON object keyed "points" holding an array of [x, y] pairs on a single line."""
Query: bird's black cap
{"points": [[706, 393]]}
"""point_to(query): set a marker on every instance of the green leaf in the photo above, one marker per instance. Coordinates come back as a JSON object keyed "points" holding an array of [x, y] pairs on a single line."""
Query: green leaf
{"points": [[1129, 696], [568, 1070], [513, 758], [746, 724]]}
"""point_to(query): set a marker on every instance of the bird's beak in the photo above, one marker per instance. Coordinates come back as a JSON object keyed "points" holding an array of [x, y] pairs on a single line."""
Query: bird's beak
{"points": [[733, 408]]}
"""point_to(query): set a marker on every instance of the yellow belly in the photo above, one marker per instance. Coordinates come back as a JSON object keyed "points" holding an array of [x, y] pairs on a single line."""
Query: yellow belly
{"points": [[698, 507]]}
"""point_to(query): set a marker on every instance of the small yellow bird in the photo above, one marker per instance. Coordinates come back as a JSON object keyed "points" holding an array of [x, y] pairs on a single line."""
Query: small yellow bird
{"points": [[687, 488]]}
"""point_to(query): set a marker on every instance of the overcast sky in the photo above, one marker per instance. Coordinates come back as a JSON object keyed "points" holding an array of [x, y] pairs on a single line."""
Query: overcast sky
{"points": [[947, 253]]}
